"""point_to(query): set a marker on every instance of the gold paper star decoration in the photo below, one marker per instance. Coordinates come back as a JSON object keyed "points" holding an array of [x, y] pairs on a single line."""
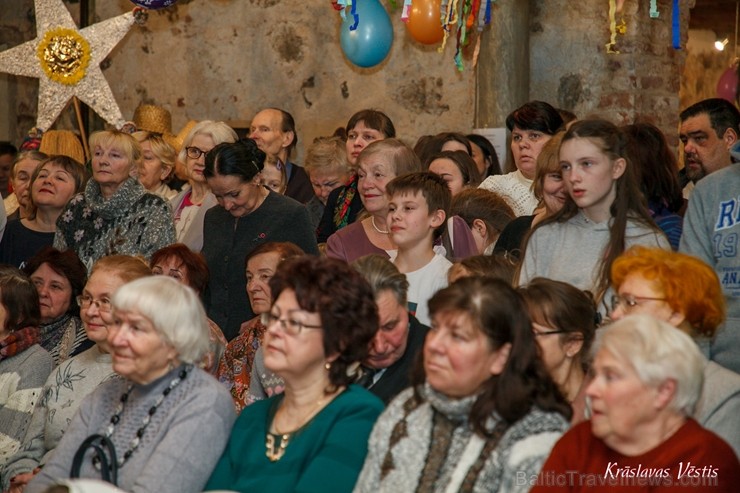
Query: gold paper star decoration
{"points": [[66, 60]]}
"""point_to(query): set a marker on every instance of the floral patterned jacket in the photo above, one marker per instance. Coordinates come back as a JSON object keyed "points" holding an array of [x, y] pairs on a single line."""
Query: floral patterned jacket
{"points": [[131, 222]]}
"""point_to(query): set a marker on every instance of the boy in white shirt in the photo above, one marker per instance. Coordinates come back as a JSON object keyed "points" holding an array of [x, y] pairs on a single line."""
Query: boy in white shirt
{"points": [[417, 211]]}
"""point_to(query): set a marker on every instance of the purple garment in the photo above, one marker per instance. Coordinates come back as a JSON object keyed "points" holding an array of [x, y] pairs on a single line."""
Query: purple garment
{"points": [[351, 243]]}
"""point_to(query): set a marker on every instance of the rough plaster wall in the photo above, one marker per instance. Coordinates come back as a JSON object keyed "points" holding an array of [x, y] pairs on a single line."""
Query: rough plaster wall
{"points": [[571, 69], [226, 59]]}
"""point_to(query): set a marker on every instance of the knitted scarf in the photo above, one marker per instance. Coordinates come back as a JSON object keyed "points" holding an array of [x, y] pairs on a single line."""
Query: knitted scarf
{"points": [[449, 414], [18, 341]]}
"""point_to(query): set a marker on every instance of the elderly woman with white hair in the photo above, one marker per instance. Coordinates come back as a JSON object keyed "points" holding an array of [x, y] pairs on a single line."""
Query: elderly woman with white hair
{"points": [[647, 378], [166, 421], [192, 203]]}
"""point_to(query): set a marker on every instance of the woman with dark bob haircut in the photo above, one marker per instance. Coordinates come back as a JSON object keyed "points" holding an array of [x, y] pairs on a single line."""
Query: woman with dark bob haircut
{"points": [[59, 277], [483, 412], [531, 125], [248, 215], [318, 330]]}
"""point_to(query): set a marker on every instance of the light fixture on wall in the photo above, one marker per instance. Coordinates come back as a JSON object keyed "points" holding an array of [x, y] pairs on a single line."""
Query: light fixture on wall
{"points": [[720, 45]]}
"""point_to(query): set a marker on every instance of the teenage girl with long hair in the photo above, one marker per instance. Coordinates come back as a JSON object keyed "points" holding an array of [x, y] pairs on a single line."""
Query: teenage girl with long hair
{"points": [[606, 213]]}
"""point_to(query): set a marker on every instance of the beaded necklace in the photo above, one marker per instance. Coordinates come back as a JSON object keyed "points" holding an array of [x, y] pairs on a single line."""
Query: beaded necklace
{"points": [[116, 418]]}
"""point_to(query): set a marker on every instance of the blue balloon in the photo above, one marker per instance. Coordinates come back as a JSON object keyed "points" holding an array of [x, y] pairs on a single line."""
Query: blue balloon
{"points": [[371, 41]]}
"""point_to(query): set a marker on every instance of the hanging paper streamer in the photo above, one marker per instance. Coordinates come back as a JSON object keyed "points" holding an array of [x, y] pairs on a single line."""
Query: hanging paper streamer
{"points": [[614, 28], [676, 26], [353, 10], [405, 10], [449, 19], [341, 5], [654, 14]]}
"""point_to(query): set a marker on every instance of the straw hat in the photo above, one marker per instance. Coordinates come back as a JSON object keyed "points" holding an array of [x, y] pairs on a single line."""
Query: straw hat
{"points": [[64, 142], [179, 139], [153, 118]]}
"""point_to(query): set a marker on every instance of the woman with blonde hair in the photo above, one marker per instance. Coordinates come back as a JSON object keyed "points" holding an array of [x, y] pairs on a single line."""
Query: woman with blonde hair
{"points": [[377, 164], [328, 169], [157, 164], [115, 214]]}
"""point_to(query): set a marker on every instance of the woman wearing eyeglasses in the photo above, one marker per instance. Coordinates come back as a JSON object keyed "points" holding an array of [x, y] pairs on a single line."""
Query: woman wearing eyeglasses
{"points": [[76, 377], [191, 204], [313, 437], [115, 214], [564, 325], [685, 292]]}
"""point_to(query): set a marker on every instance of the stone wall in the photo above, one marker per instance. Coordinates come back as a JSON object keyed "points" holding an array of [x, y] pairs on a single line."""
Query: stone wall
{"points": [[571, 69], [226, 59]]}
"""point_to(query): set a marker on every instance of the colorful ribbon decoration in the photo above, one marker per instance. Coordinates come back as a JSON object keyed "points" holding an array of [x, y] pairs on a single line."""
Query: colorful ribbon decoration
{"points": [[614, 28], [405, 10], [676, 26], [349, 3]]}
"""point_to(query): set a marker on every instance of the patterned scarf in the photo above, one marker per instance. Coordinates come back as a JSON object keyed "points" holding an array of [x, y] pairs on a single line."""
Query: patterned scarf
{"points": [[18, 341], [344, 199], [50, 335]]}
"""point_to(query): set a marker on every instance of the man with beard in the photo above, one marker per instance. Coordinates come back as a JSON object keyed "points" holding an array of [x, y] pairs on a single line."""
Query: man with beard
{"points": [[708, 131]]}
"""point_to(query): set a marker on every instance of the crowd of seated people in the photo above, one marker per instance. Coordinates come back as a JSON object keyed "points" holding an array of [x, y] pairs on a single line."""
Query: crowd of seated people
{"points": [[207, 314]]}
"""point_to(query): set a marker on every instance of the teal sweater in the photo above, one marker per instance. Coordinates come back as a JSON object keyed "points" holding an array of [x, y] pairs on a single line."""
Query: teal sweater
{"points": [[325, 456]]}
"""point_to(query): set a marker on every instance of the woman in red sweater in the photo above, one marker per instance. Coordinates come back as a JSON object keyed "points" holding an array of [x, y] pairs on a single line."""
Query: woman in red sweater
{"points": [[647, 379]]}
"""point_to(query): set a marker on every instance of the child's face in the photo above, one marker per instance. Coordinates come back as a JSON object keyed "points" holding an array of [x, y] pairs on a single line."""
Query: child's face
{"points": [[409, 219], [590, 176]]}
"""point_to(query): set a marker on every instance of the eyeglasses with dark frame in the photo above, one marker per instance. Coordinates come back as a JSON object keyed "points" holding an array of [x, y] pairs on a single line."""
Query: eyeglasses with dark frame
{"points": [[194, 152], [629, 301], [290, 326]]}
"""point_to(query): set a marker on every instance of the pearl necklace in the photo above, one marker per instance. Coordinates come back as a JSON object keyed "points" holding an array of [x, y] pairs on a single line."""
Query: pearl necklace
{"points": [[372, 220], [116, 418]]}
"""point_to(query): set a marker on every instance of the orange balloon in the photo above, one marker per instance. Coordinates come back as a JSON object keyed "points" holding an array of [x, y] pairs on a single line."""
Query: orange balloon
{"points": [[424, 24]]}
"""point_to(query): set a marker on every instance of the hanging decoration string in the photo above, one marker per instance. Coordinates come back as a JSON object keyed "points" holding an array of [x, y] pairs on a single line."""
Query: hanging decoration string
{"points": [[676, 25], [405, 10], [654, 14]]}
